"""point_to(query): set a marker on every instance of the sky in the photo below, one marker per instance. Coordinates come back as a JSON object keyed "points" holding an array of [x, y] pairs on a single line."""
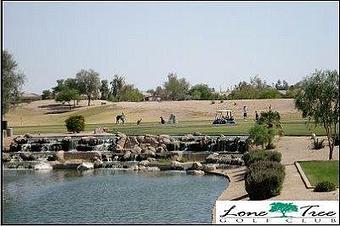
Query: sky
{"points": [[217, 43]]}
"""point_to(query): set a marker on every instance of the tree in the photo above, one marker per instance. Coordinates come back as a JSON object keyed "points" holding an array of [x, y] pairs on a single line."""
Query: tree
{"points": [[60, 86], [319, 102], [129, 93], [271, 119], [46, 94], [67, 95], [176, 89], [89, 84], [283, 208], [201, 92], [256, 89], [12, 81], [104, 90], [71, 83], [117, 85]]}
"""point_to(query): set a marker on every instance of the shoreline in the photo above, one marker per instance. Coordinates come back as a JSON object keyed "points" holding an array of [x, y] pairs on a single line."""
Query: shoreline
{"points": [[235, 189]]}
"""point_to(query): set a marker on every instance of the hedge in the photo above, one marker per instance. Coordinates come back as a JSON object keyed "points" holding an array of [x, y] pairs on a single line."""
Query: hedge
{"points": [[262, 155], [264, 179]]}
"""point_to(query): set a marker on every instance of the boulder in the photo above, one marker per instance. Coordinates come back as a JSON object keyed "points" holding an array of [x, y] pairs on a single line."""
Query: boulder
{"points": [[144, 163], [151, 159], [175, 165], [160, 149], [98, 163], [197, 166], [149, 153], [121, 140], [136, 149], [131, 142], [119, 149], [188, 137], [209, 168], [195, 172], [52, 157], [6, 157], [151, 169], [127, 155], [27, 156], [85, 166], [43, 166]]}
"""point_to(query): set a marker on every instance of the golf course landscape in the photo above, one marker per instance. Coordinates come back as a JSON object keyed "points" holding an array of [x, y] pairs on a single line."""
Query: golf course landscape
{"points": [[48, 116]]}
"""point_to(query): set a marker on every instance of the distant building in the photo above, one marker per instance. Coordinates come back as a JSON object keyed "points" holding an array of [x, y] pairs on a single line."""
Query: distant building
{"points": [[29, 97]]}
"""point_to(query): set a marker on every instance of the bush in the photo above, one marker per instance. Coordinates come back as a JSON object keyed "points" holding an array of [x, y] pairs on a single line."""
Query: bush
{"points": [[325, 186], [264, 180], [75, 123], [255, 156]]}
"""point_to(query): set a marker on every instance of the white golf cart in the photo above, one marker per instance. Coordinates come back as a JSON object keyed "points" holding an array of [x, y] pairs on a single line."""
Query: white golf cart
{"points": [[224, 117]]}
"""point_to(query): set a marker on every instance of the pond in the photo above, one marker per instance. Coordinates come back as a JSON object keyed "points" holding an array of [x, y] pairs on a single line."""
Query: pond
{"points": [[107, 196]]}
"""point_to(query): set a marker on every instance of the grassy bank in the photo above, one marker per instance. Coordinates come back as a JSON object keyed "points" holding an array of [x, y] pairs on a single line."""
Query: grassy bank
{"points": [[291, 128], [317, 171]]}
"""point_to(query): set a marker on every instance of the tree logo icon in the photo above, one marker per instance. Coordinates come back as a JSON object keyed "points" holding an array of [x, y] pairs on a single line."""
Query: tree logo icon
{"points": [[283, 208]]}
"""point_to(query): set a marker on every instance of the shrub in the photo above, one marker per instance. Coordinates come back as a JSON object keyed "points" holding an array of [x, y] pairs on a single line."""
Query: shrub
{"points": [[325, 186], [254, 156], [260, 135], [75, 123], [264, 179]]}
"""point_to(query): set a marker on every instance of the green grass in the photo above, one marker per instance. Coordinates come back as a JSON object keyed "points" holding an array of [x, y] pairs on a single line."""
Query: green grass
{"points": [[317, 171], [291, 128]]}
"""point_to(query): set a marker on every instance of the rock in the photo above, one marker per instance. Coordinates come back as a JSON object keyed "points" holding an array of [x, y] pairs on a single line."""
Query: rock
{"points": [[209, 168], [6, 157], [197, 166], [150, 153], [52, 157], [43, 166], [144, 163], [151, 169], [188, 137], [119, 148], [98, 163], [151, 159], [176, 165], [173, 146], [160, 149], [20, 140], [195, 172], [85, 166], [197, 134], [136, 149], [121, 140], [27, 156], [151, 139], [140, 139], [134, 167], [27, 135], [127, 155], [141, 168], [131, 142]]}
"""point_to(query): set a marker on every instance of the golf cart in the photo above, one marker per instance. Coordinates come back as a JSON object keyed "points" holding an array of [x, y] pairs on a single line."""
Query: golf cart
{"points": [[224, 117]]}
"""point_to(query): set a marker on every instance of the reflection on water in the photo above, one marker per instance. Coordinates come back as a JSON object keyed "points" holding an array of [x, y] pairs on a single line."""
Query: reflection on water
{"points": [[108, 196]]}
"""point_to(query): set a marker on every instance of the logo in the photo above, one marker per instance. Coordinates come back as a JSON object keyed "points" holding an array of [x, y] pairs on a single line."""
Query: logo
{"points": [[277, 212]]}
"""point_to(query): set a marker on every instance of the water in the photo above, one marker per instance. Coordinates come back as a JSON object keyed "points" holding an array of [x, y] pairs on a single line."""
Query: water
{"points": [[108, 196]]}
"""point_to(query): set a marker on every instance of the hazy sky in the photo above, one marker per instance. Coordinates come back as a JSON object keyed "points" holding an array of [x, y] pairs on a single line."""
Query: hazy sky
{"points": [[215, 43]]}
